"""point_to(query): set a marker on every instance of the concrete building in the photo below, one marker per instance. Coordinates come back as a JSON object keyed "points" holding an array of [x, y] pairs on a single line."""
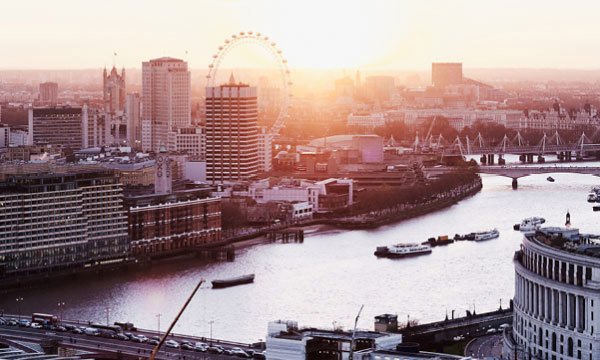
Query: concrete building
{"points": [[285, 341], [232, 142], [189, 140], [265, 150], [461, 118], [59, 218], [166, 93], [366, 120], [194, 169], [96, 128], [4, 135], [557, 292], [134, 122], [48, 93], [379, 88], [170, 224], [60, 126], [443, 74], [133, 173], [146, 135]]}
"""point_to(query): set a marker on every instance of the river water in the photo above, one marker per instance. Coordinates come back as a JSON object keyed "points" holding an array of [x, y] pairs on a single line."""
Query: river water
{"points": [[326, 279]]}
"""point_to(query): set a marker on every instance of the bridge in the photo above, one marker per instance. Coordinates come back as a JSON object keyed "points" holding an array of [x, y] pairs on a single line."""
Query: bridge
{"points": [[518, 171], [516, 146]]}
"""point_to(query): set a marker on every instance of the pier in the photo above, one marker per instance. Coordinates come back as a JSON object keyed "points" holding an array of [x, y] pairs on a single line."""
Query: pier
{"points": [[290, 235]]}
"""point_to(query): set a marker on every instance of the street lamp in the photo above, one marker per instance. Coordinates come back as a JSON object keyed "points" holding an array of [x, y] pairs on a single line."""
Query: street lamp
{"points": [[61, 305], [107, 309], [19, 301], [211, 336], [158, 317]]}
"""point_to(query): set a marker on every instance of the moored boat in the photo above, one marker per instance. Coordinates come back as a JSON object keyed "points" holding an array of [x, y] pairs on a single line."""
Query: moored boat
{"points": [[245, 279], [530, 224], [486, 235], [402, 250], [441, 240], [550, 178]]}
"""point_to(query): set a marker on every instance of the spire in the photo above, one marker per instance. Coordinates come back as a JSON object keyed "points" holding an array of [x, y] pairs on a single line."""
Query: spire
{"points": [[231, 79]]}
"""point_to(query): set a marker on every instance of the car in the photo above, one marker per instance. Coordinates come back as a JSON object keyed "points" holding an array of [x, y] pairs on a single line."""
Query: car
{"points": [[153, 342], [200, 343], [36, 326], [172, 344], [129, 335], [122, 337], [157, 338], [3, 321], [260, 355], [69, 327], [77, 331], [187, 346], [143, 338], [24, 323], [201, 348], [503, 326], [214, 350], [240, 353], [91, 332], [12, 323], [491, 331], [61, 328]]}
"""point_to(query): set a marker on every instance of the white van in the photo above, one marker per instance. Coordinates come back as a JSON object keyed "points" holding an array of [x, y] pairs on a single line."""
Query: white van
{"points": [[91, 332]]}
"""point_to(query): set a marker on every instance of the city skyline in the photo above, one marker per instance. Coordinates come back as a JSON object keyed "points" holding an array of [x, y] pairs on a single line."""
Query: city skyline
{"points": [[406, 35]]}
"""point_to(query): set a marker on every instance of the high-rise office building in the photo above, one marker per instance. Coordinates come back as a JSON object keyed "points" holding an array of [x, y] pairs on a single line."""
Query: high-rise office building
{"points": [[443, 74], [48, 93], [379, 88], [59, 125], [59, 218], [231, 132], [134, 122], [165, 97]]}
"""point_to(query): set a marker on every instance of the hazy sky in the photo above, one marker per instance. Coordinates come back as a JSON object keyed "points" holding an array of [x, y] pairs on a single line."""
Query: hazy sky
{"points": [[350, 34]]}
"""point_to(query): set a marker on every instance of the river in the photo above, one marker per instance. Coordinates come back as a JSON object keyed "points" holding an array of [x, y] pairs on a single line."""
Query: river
{"points": [[325, 280]]}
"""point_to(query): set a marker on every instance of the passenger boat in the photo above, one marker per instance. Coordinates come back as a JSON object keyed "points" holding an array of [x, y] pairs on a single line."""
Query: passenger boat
{"points": [[592, 197], [470, 236], [246, 279], [550, 178], [402, 250], [596, 208], [530, 224], [486, 235]]}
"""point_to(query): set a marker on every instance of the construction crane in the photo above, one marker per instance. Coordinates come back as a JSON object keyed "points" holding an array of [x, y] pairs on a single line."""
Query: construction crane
{"points": [[164, 337], [354, 333]]}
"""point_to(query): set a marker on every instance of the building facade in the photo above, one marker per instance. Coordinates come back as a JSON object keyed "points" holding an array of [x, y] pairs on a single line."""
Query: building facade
{"points": [[231, 132], [59, 125], [557, 294], [161, 225], [166, 92], [133, 116], [444, 74], [189, 140], [48, 93], [57, 218]]}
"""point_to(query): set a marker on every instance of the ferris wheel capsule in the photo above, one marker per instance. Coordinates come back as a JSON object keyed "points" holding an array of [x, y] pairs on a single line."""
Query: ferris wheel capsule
{"points": [[214, 56], [284, 61], [234, 36], [279, 51], [249, 32], [257, 34], [273, 44], [266, 38], [220, 48], [208, 76], [226, 41], [211, 66], [287, 71]]}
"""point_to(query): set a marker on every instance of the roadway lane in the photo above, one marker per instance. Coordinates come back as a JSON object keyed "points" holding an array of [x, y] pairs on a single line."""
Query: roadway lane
{"points": [[485, 346], [85, 342]]}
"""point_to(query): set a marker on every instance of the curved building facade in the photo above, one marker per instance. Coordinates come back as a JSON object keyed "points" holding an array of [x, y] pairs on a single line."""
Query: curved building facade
{"points": [[557, 297]]}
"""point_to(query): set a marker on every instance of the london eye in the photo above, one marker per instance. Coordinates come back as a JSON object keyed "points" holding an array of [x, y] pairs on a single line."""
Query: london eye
{"points": [[251, 38]]}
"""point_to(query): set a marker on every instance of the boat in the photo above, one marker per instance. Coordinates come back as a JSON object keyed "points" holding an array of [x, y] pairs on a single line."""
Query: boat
{"points": [[550, 178], [245, 279], [486, 235], [402, 250], [596, 208], [441, 240], [469, 236], [530, 224], [592, 197]]}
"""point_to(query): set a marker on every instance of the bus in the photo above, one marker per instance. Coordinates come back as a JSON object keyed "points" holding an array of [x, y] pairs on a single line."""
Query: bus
{"points": [[113, 328], [44, 319]]}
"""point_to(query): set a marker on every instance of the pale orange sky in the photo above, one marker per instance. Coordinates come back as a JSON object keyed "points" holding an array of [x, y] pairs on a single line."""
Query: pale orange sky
{"points": [[349, 34]]}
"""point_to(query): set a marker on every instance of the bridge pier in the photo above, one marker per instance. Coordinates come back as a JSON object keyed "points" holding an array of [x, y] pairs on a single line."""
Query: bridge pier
{"points": [[483, 159], [515, 184], [491, 159], [529, 158], [501, 160], [541, 159]]}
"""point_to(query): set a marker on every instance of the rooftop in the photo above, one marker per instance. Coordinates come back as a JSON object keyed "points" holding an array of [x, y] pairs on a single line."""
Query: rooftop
{"points": [[567, 239]]}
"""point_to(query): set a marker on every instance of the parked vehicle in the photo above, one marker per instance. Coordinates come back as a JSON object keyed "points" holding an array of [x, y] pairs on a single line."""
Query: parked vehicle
{"points": [[187, 346], [215, 350], [77, 331], [91, 332], [122, 337], [36, 326], [172, 344], [153, 342]]}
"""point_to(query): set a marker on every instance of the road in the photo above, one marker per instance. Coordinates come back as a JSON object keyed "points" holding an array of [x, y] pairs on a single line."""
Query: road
{"points": [[485, 346], [99, 344]]}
